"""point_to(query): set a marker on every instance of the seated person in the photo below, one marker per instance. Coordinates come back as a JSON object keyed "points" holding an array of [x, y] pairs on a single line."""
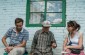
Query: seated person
{"points": [[74, 39], [18, 38]]}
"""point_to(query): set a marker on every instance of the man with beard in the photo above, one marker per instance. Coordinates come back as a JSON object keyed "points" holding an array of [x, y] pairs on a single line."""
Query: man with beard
{"points": [[18, 38]]}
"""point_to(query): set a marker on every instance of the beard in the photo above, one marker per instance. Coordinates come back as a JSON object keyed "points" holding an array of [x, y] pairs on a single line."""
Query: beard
{"points": [[18, 29]]}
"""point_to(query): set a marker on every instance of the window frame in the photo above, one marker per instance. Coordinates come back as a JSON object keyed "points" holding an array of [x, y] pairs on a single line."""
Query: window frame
{"points": [[62, 24]]}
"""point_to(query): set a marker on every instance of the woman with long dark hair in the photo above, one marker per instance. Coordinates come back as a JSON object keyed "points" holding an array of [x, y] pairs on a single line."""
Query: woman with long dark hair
{"points": [[73, 43]]}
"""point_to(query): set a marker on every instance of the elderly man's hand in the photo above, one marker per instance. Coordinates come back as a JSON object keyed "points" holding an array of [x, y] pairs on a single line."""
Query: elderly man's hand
{"points": [[53, 45]]}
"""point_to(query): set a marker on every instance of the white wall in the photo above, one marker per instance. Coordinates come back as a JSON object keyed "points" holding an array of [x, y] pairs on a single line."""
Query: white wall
{"points": [[11, 9]]}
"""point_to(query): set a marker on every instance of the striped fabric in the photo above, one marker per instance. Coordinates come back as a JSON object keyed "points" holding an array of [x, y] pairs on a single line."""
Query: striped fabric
{"points": [[17, 38]]}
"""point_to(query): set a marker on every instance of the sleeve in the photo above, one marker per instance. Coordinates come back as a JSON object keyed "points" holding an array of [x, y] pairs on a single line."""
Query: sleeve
{"points": [[53, 39], [34, 42], [8, 33], [26, 36]]}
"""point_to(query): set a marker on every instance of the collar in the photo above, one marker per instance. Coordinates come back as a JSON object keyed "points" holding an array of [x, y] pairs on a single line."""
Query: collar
{"points": [[44, 31], [14, 29]]}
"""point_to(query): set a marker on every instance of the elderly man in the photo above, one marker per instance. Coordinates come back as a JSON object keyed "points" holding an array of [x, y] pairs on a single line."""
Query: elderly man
{"points": [[18, 38], [43, 41]]}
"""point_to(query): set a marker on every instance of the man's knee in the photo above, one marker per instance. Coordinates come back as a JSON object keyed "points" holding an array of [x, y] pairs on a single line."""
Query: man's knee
{"points": [[18, 50]]}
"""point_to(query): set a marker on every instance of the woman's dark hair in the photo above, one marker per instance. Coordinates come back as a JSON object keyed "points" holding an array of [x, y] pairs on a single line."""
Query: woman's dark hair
{"points": [[18, 20], [73, 24]]}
